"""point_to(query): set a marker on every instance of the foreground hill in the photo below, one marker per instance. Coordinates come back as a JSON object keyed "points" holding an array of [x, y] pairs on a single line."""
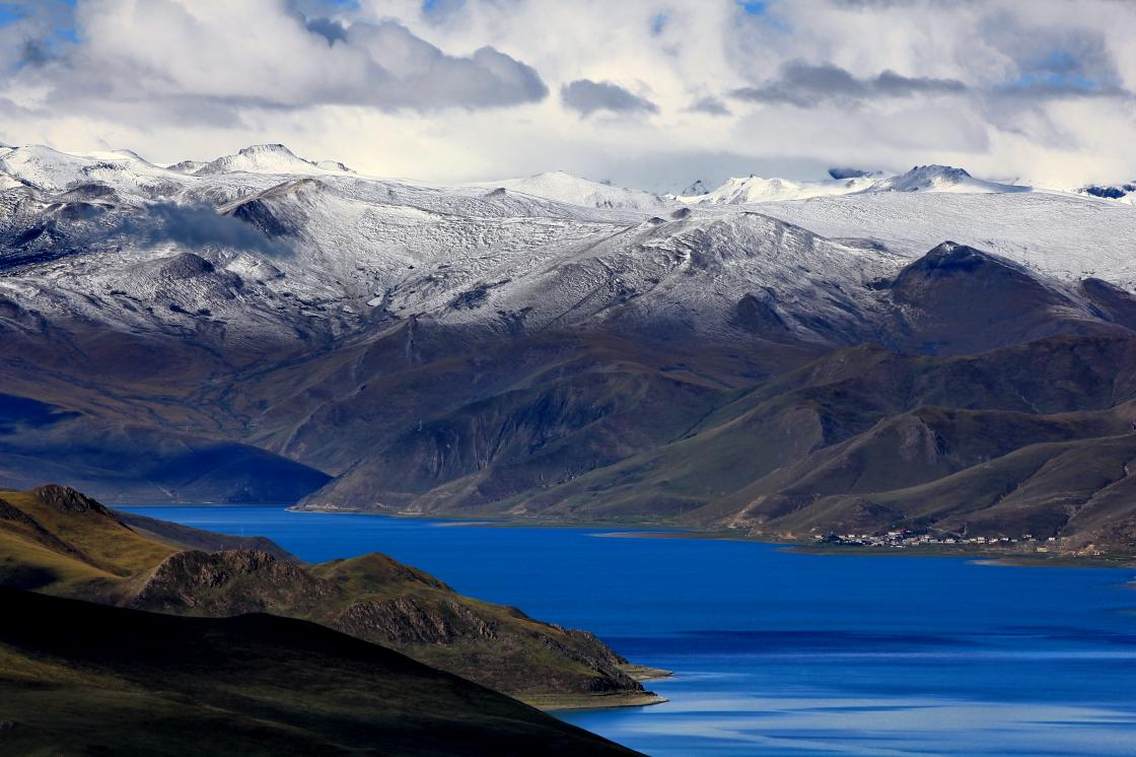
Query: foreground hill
{"points": [[58, 541], [79, 678]]}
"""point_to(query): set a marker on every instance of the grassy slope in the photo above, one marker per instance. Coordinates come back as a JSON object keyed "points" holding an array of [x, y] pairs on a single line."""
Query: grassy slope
{"points": [[86, 551], [135, 682]]}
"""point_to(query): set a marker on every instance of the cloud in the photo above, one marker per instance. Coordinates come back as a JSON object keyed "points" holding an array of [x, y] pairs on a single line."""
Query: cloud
{"points": [[587, 97], [806, 85], [261, 53], [452, 90], [711, 106], [408, 72], [196, 227]]}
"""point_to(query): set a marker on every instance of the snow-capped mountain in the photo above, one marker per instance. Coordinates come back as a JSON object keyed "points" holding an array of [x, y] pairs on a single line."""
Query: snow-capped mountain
{"points": [[265, 242], [930, 178], [936, 178], [752, 189], [269, 159], [43, 168], [564, 187]]}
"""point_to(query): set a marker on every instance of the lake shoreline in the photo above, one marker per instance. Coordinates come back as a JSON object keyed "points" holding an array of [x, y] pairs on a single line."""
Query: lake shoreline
{"points": [[648, 529]]}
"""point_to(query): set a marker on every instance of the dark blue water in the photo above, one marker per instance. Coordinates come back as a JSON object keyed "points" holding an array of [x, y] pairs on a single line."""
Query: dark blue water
{"points": [[783, 653]]}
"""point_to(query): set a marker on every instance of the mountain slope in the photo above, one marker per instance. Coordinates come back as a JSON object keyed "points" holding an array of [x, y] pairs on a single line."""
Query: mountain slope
{"points": [[1026, 439], [256, 684]]}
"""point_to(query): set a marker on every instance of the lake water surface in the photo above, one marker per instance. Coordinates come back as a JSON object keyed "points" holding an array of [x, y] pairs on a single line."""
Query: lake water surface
{"points": [[784, 653]]}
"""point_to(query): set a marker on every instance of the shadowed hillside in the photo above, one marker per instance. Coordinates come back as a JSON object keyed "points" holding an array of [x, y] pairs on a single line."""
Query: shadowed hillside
{"points": [[140, 683]]}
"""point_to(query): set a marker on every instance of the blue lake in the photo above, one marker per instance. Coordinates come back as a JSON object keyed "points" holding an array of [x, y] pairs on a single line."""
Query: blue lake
{"points": [[783, 653]]}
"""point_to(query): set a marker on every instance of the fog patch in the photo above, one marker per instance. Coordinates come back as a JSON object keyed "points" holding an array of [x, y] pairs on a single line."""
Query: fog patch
{"points": [[196, 227]]}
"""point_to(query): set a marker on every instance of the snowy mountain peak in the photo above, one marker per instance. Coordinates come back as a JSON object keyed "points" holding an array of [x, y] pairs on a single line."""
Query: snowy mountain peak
{"points": [[750, 189], [268, 158], [45, 168], [846, 181], [564, 187], [939, 178]]}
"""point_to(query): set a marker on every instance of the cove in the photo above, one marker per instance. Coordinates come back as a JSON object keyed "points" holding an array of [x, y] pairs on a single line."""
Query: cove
{"points": [[777, 652]]}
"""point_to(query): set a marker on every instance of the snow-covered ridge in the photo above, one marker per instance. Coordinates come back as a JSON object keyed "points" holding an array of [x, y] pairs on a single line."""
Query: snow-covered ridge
{"points": [[100, 236], [44, 168], [269, 159], [751, 189], [936, 178], [930, 178], [564, 187]]}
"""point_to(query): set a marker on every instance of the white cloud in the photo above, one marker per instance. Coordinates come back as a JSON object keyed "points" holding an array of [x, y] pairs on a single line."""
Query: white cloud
{"points": [[458, 90]]}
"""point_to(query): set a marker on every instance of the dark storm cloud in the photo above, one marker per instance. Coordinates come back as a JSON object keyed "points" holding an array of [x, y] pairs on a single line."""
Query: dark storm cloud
{"points": [[587, 97], [806, 85]]}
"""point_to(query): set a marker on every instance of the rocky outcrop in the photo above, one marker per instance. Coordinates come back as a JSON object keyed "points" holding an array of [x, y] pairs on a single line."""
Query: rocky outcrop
{"points": [[68, 500], [410, 620], [230, 583]]}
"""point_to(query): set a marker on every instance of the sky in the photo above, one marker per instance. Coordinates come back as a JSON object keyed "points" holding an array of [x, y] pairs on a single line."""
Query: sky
{"points": [[649, 93]]}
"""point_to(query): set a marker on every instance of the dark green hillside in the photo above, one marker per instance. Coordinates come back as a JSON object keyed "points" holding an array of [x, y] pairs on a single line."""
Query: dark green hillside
{"points": [[79, 678]]}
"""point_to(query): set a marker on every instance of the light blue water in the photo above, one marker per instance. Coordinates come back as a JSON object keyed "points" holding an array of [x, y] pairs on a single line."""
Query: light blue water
{"points": [[783, 653]]}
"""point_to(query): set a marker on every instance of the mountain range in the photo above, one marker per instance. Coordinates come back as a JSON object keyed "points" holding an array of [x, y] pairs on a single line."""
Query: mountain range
{"points": [[923, 351]]}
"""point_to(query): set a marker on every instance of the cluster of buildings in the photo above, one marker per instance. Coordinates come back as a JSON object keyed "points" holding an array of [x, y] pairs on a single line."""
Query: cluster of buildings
{"points": [[904, 538]]}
